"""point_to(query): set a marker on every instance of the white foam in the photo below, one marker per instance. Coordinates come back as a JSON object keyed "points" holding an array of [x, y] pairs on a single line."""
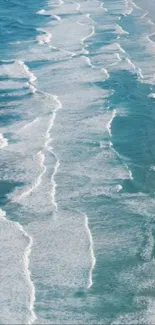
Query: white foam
{"points": [[41, 158], [120, 48], [78, 6], [144, 15], [134, 5], [140, 73], [89, 35], [108, 125], [30, 74], [130, 62], [2, 214], [152, 95], [152, 168], [118, 57], [50, 149], [32, 88], [93, 259], [29, 124], [106, 72], [120, 30], [44, 38], [130, 11], [88, 61], [102, 6], [118, 188], [130, 172], [26, 260], [3, 141], [41, 12], [88, 16], [57, 17]]}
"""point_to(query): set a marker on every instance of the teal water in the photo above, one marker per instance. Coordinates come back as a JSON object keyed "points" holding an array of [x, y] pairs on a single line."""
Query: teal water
{"points": [[77, 165]]}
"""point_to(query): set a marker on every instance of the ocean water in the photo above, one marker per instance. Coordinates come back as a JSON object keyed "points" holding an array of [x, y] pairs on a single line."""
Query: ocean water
{"points": [[77, 162]]}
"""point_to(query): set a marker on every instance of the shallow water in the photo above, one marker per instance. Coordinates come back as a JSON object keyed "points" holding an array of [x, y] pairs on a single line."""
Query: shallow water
{"points": [[77, 168]]}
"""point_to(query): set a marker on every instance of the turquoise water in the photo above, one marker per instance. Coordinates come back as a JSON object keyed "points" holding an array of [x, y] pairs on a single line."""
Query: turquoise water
{"points": [[77, 167]]}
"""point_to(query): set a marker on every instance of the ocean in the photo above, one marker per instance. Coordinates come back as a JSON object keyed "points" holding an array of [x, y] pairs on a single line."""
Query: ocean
{"points": [[77, 162]]}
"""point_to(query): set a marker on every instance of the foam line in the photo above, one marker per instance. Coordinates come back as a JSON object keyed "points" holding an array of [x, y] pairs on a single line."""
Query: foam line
{"points": [[88, 16], [3, 141], [26, 260], [140, 73], [108, 125], [126, 166], [57, 17], [144, 15], [129, 171], [91, 247], [30, 74], [44, 38], [134, 5], [102, 6], [88, 61], [106, 72], [78, 6], [130, 62], [30, 124], [120, 30], [41, 12], [89, 35], [50, 149], [41, 158], [118, 57], [54, 185], [118, 188], [41, 155], [152, 95], [120, 48]]}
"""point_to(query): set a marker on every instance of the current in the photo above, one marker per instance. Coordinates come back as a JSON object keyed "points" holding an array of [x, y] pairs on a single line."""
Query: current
{"points": [[77, 162]]}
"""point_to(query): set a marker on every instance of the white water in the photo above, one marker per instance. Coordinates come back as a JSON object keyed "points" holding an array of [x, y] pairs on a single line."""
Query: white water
{"points": [[3, 141]]}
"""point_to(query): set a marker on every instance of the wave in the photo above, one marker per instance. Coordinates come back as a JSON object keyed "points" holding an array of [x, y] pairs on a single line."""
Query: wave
{"points": [[30, 123], [120, 30], [78, 6], [120, 48], [93, 259], [3, 141], [134, 5], [102, 6], [41, 154], [46, 12], [88, 61], [30, 76], [118, 57], [26, 261], [50, 149], [44, 38], [41, 12], [119, 188], [151, 95], [108, 125], [83, 39], [41, 159], [57, 17]]}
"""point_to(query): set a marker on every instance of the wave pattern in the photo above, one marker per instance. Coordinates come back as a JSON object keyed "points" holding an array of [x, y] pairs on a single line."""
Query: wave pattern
{"points": [[78, 179]]}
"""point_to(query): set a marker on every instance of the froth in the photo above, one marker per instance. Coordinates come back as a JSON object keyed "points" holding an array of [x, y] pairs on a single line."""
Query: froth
{"points": [[93, 259], [3, 141], [108, 125]]}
